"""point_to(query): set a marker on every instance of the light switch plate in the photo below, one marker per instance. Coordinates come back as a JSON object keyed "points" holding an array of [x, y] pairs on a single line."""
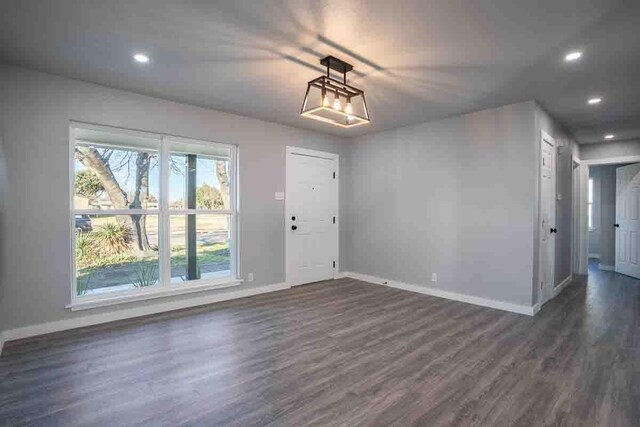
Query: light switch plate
{"points": [[279, 195]]}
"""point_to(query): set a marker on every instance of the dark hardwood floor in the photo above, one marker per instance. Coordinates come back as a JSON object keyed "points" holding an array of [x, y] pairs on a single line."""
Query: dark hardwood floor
{"points": [[341, 353]]}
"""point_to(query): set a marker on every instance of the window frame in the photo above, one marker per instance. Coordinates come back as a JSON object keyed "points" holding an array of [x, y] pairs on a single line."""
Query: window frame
{"points": [[164, 287]]}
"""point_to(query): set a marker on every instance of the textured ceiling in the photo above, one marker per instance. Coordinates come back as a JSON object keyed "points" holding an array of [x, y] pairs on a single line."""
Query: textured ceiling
{"points": [[417, 60]]}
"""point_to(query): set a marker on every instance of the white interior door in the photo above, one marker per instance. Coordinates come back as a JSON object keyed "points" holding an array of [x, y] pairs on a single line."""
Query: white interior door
{"points": [[547, 217], [628, 220], [311, 216]]}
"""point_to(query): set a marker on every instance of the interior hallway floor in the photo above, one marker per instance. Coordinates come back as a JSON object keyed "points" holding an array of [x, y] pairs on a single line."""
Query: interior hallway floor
{"points": [[341, 353]]}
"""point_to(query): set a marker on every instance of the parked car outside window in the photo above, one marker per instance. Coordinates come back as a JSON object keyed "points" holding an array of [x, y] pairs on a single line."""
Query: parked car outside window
{"points": [[83, 223]]}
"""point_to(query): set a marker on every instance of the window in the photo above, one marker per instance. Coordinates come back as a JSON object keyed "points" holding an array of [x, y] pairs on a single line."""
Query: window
{"points": [[590, 197], [150, 213], [199, 213]]}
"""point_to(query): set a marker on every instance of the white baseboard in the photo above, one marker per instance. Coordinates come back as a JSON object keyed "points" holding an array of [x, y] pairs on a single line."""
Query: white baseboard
{"points": [[341, 275], [596, 256], [500, 305], [562, 285], [607, 267], [96, 319], [536, 308]]}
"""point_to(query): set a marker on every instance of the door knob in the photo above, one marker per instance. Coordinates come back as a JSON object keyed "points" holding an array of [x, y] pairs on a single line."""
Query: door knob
{"points": [[293, 218], [294, 227], [616, 225], [554, 230]]}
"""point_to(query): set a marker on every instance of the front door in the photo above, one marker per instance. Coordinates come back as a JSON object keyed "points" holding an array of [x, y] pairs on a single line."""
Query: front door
{"points": [[311, 223]]}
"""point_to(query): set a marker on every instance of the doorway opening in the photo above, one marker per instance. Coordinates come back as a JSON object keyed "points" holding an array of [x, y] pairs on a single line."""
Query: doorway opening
{"points": [[609, 237]]}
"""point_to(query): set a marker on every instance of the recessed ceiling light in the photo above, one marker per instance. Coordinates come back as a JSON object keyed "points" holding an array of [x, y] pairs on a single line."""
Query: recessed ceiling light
{"points": [[141, 58], [609, 136], [573, 56], [593, 101]]}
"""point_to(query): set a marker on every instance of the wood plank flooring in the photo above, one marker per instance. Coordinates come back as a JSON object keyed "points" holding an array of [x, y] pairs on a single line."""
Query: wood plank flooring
{"points": [[341, 353]]}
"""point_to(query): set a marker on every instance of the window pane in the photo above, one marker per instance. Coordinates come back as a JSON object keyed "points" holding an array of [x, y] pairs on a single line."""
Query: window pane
{"points": [[590, 197], [111, 177], [199, 247], [198, 181], [590, 216], [115, 252]]}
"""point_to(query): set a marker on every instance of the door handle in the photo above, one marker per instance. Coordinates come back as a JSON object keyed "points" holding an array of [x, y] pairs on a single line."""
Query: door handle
{"points": [[293, 218], [294, 227], [616, 225], [554, 230]]}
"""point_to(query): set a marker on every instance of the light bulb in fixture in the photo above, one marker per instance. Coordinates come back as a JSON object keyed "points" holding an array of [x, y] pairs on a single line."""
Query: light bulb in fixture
{"points": [[609, 136], [336, 104], [325, 100], [594, 101], [348, 108]]}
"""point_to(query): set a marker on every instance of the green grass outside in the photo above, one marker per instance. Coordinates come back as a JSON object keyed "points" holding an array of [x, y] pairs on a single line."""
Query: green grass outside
{"points": [[209, 253]]}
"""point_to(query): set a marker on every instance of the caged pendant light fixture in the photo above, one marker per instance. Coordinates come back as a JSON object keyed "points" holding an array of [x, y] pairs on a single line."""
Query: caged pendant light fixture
{"points": [[333, 101]]}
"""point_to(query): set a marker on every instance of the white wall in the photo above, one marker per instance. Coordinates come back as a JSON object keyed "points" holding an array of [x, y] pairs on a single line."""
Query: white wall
{"points": [[594, 231], [607, 150], [602, 237], [456, 197], [34, 118], [3, 196], [607, 208], [594, 243]]}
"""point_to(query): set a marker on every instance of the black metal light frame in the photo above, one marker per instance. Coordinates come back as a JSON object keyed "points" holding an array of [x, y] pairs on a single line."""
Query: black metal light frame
{"points": [[328, 84]]}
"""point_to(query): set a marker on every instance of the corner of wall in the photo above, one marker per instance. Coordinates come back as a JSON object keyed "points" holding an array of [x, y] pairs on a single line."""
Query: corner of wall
{"points": [[3, 189]]}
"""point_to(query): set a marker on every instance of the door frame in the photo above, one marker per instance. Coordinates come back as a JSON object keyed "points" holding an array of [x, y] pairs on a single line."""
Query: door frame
{"points": [[289, 151], [582, 215], [575, 215], [546, 138]]}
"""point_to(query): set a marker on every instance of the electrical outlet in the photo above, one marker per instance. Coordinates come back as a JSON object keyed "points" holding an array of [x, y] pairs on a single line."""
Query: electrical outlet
{"points": [[250, 277], [434, 277]]}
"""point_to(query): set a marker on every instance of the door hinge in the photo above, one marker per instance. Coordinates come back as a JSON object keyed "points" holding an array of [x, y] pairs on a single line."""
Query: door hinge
{"points": [[334, 219], [334, 175], [334, 264]]}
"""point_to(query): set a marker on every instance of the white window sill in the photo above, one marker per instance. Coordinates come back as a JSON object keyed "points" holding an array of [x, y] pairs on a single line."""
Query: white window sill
{"points": [[88, 302]]}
